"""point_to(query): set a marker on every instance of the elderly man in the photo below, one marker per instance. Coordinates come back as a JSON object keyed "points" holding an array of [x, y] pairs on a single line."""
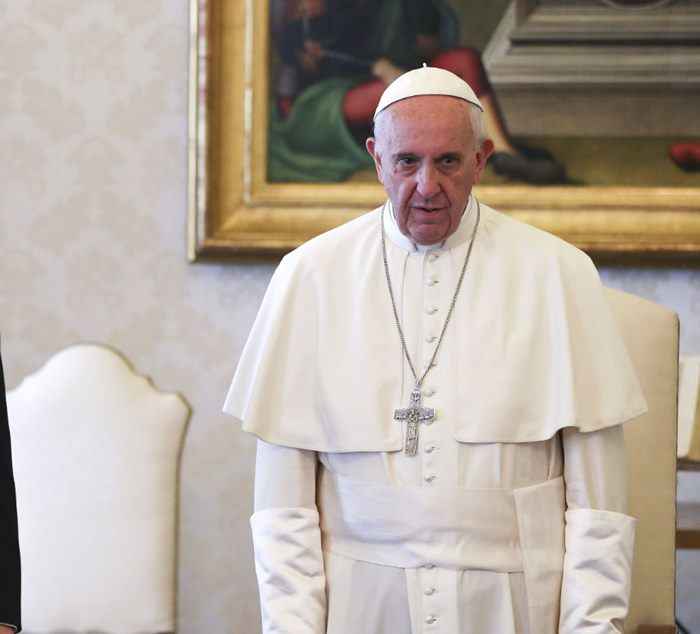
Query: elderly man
{"points": [[437, 390]]}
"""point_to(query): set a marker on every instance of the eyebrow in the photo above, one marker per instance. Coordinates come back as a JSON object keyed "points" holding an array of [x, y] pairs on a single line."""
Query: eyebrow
{"points": [[450, 155], [400, 155]]}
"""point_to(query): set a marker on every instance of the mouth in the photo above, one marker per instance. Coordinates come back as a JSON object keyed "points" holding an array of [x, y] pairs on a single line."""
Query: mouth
{"points": [[427, 209], [428, 215]]}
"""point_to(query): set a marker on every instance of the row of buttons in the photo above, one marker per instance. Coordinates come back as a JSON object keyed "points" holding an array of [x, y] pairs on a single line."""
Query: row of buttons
{"points": [[429, 448], [429, 591], [432, 309]]}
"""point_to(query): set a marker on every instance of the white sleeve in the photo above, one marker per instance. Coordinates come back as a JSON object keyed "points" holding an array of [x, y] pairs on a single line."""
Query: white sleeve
{"points": [[287, 541], [599, 537]]}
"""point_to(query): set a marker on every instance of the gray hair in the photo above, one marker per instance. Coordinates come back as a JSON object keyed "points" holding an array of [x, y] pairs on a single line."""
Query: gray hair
{"points": [[476, 116]]}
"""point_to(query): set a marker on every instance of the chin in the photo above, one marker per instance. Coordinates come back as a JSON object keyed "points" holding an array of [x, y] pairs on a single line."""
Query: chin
{"points": [[427, 240], [428, 236]]}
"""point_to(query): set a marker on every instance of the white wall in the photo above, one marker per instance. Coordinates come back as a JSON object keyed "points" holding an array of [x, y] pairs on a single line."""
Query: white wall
{"points": [[93, 125]]}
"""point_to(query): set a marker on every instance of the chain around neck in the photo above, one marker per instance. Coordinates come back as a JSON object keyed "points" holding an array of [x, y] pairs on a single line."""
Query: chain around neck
{"points": [[429, 366]]}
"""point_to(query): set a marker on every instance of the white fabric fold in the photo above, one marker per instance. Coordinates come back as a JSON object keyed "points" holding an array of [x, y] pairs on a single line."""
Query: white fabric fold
{"points": [[527, 320], [596, 584], [451, 528], [289, 567]]}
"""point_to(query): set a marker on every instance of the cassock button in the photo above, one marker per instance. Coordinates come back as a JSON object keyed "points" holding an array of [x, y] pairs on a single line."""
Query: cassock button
{"points": [[431, 391], [430, 478], [432, 281], [431, 310], [429, 566], [433, 256], [429, 591], [431, 619], [430, 448], [431, 338]]}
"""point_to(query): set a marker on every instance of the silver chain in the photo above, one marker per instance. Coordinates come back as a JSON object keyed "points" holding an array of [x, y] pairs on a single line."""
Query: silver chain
{"points": [[429, 367]]}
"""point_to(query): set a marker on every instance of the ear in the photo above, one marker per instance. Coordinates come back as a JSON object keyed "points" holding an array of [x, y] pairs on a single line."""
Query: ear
{"points": [[371, 145], [482, 156]]}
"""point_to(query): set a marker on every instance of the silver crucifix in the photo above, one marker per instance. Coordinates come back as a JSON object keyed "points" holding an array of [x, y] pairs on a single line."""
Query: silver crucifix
{"points": [[414, 414]]}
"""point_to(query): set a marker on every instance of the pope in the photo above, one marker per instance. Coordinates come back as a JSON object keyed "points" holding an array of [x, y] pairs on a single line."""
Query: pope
{"points": [[437, 391]]}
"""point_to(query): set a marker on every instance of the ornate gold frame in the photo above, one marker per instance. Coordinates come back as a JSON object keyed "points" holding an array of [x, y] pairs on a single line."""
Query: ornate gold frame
{"points": [[233, 211]]}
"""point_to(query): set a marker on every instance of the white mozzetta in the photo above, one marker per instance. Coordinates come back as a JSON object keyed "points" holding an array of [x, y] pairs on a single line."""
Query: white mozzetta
{"points": [[95, 451], [322, 369]]}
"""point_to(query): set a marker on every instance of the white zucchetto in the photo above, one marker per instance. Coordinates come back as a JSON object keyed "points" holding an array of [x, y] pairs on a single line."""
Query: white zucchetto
{"points": [[426, 81]]}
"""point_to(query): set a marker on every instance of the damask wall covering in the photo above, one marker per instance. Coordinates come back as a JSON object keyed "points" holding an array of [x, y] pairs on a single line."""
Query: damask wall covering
{"points": [[93, 97]]}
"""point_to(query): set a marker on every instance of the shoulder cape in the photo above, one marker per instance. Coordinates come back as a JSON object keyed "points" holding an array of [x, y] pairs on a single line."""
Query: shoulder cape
{"points": [[538, 347]]}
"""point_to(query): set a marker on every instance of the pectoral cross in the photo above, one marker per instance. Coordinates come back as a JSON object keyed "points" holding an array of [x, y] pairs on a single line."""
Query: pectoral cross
{"points": [[414, 414]]}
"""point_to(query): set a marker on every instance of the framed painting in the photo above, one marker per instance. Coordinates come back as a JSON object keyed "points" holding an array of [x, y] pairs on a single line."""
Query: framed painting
{"points": [[280, 91]]}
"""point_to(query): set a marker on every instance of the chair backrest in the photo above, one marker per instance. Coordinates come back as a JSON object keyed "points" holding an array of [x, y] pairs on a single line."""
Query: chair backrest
{"points": [[651, 335], [96, 451], [689, 409]]}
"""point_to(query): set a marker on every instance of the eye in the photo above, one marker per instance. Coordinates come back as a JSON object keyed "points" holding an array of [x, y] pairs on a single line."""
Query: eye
{"points": [[406, 161], [449, 161]]}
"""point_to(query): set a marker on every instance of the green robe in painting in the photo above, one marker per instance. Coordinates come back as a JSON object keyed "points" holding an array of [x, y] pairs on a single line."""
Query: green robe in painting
{"points": [[313, 143]]}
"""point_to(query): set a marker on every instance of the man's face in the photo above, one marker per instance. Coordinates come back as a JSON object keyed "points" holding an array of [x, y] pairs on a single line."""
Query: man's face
{"points": [[427, 158]]}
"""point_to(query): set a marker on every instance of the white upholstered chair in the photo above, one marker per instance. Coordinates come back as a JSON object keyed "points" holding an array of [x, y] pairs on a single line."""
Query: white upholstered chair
{"points": [[688, 532], [96, 450], [689, 411], [651, 335]]}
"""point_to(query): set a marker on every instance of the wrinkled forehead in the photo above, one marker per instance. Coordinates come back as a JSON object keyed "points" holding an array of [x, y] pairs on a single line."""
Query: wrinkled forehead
{"points": [[415, 111]]}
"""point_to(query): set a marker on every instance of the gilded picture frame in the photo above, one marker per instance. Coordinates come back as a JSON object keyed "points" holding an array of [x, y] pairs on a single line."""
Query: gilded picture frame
{"points": [[234, 211]]}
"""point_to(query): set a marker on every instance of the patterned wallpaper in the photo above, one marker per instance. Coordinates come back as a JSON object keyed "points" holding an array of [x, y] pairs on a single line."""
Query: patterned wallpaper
{"points": [[92, 235]]}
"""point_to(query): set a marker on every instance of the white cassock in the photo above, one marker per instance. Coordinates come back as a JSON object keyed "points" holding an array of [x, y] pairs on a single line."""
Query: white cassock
{"points": [[511, 517]]}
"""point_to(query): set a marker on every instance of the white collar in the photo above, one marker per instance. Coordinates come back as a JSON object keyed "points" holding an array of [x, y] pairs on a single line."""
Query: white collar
{"points": [[460, 236]]}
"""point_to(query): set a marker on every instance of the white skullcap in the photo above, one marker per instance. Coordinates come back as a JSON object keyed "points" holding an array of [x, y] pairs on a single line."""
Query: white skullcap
{"points": [[426, 81]]}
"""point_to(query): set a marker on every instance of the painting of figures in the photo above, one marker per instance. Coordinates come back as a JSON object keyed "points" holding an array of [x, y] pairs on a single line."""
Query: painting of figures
{"points": [[331, 60], [591, 105]]}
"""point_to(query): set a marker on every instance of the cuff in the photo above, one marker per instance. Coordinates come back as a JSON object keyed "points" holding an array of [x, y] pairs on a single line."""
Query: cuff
{"points": [[597, 571], [289, 567]]}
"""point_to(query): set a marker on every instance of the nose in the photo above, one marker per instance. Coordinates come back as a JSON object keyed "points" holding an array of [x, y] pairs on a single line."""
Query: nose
{"points": [[427, 179]]}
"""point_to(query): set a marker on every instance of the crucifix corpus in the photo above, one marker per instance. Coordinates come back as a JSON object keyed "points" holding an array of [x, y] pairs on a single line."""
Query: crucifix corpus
{"points": [[414, 414]]}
